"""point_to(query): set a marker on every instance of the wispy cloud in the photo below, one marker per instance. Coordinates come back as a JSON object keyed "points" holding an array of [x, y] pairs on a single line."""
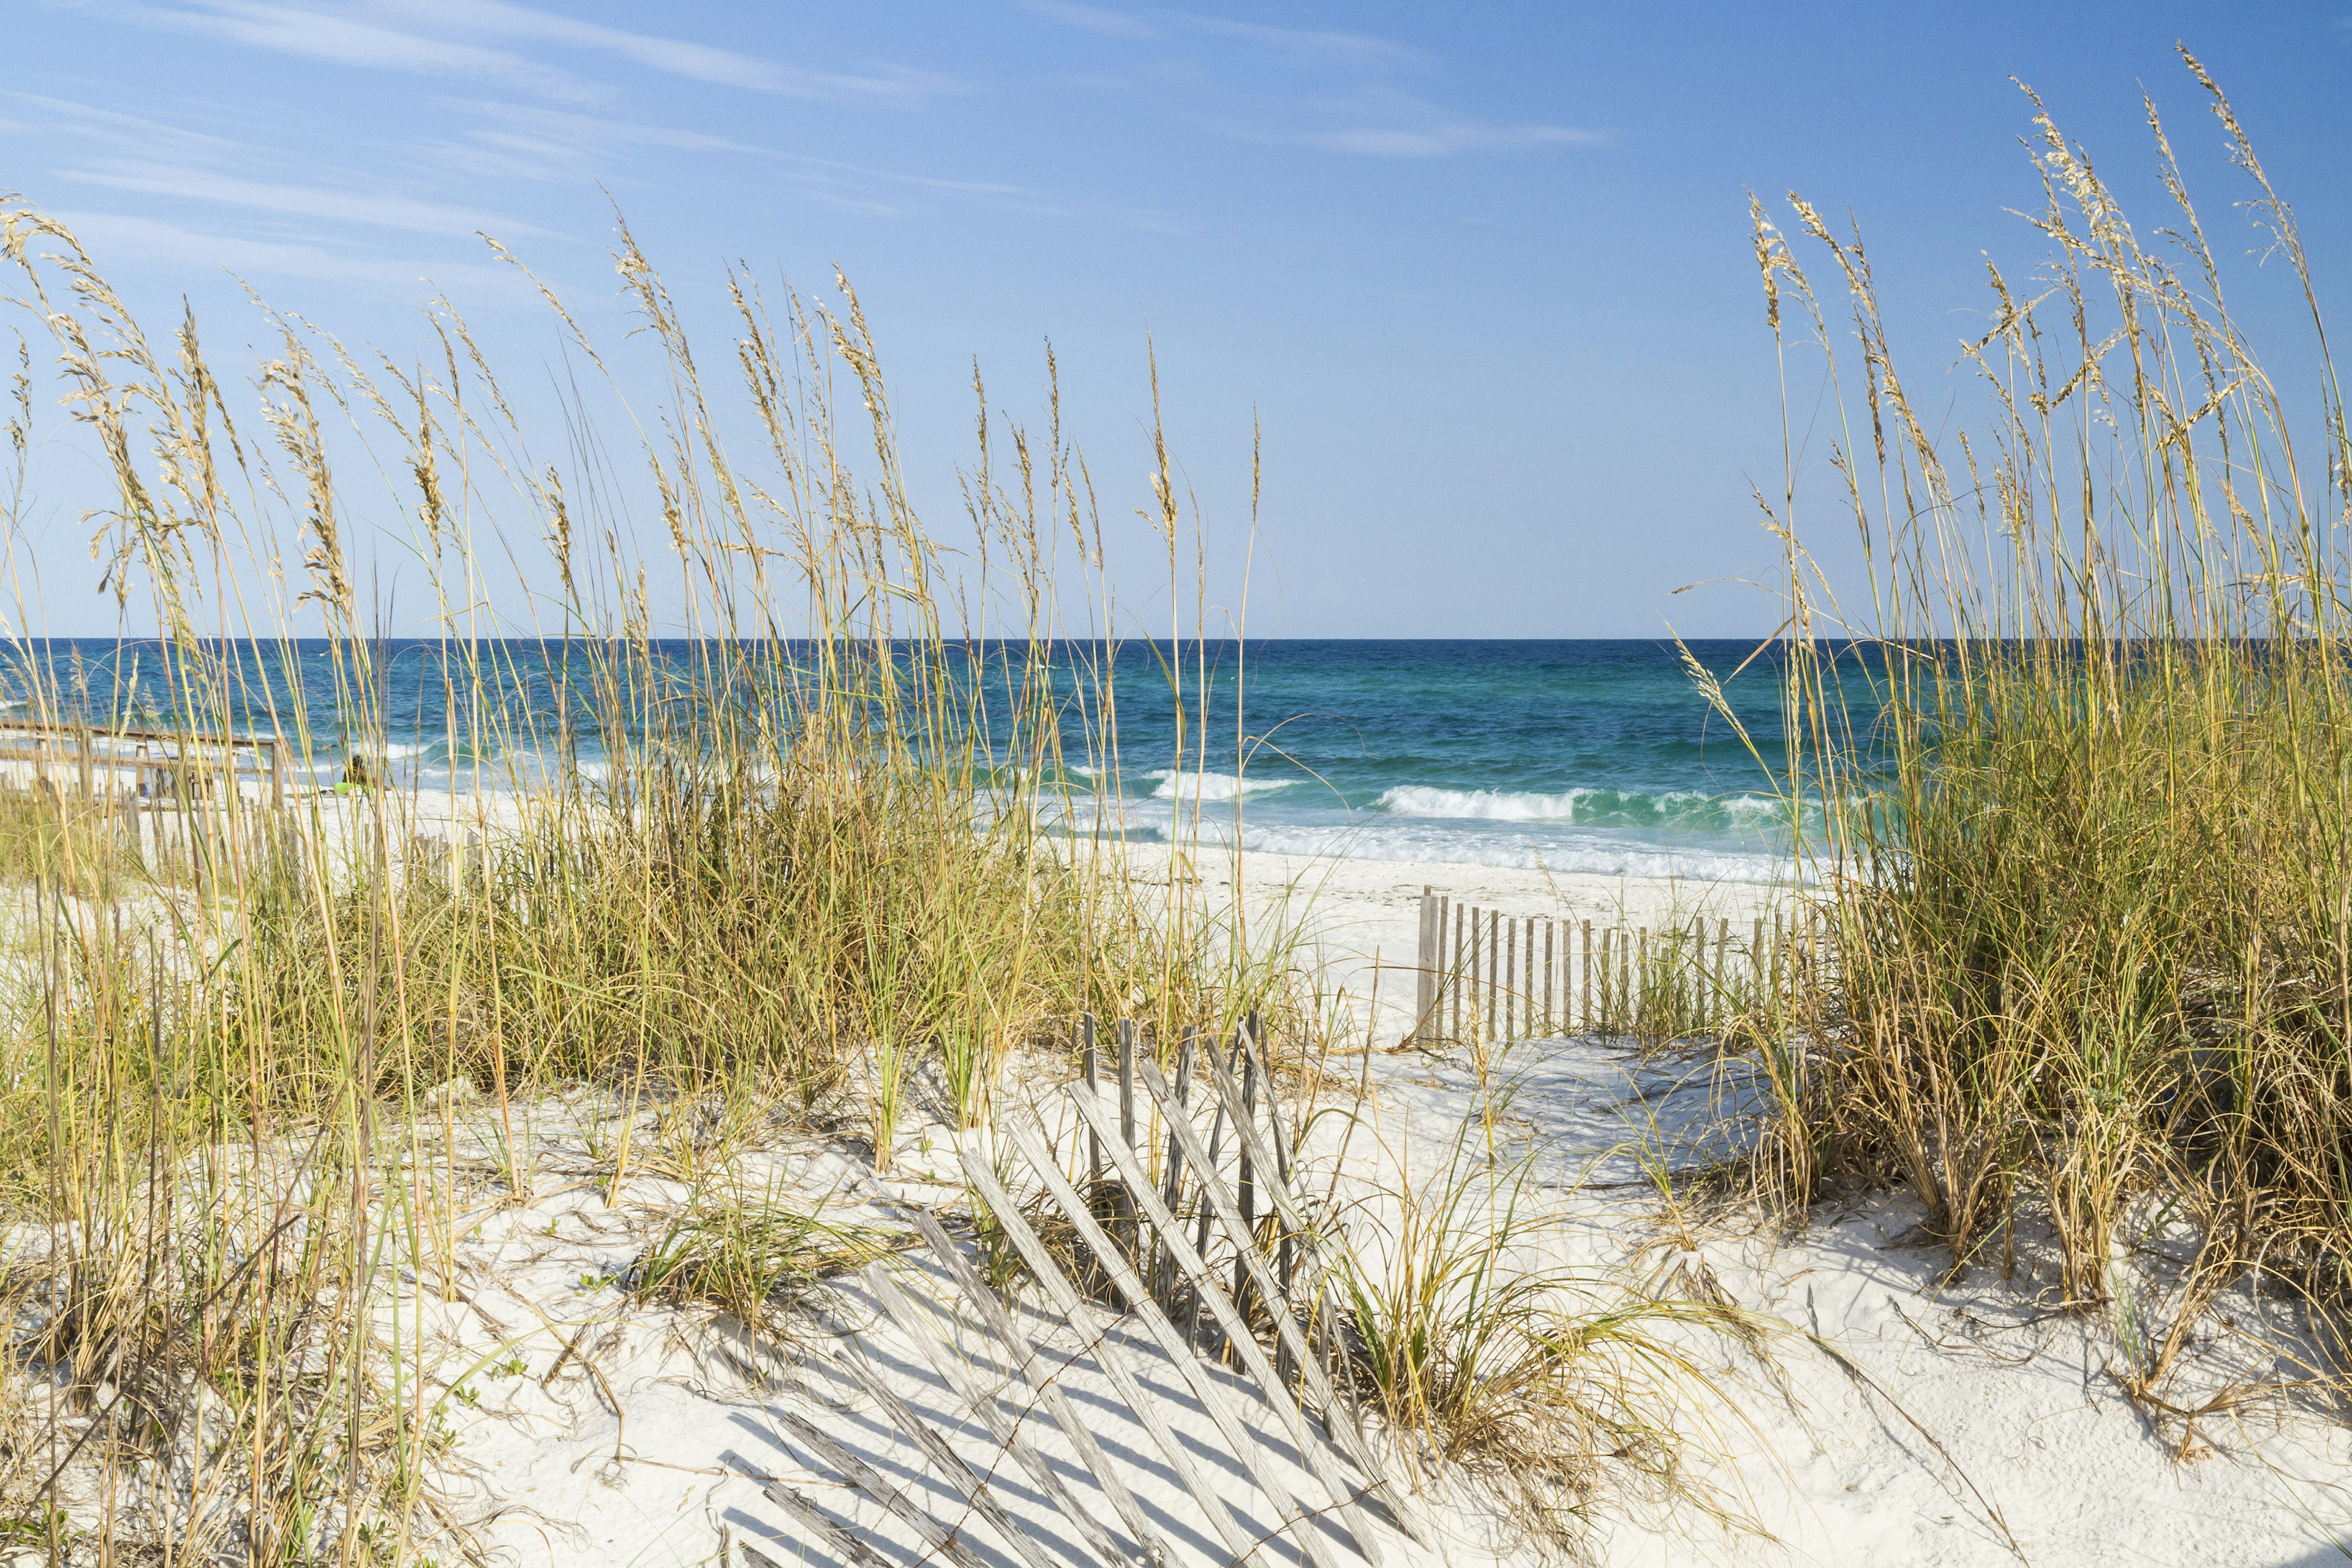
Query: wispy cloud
{"points": [[849, 182], [1438, 141], [696, 62], [1315, 45], [1349, 48], [31, 113], [376, 207], [114, 150], [469, 39], [344, 36], [1376, 120], [1099, 20], [113, 236], [530, 142], [558, 144]]}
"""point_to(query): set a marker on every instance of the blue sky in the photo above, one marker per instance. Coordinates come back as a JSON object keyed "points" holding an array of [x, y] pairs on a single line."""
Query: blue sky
{"points": [[1481, 273]]}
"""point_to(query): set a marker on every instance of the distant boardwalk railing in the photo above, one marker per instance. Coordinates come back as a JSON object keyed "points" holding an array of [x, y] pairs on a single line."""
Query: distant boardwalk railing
{"points": [[94, 763], [1482, 975]]}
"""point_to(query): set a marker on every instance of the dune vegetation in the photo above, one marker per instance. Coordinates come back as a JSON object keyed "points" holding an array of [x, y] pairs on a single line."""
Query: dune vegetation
{"points": [[2082, 715], [809, 881], [268, 1055]]}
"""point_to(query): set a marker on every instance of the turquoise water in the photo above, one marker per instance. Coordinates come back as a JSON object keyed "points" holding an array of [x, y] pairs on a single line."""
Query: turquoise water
{"points": [[1581, 756]]}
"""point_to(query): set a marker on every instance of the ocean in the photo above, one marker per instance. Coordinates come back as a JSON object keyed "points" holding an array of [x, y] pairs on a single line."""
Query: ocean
{"points": [[1575, 756]]}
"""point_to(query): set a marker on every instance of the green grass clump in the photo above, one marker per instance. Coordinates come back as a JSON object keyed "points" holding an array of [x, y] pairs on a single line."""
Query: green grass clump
{"points": [[752, 1258], [1557, 1386]]}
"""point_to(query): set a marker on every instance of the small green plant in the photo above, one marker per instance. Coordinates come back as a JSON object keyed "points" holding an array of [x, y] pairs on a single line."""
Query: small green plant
{"points": [[35, 1529]]}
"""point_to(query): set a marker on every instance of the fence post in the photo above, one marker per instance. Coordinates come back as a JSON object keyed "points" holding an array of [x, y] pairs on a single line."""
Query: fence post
{"points": [[1588, 977], [1094, 1142], [1424, 964], [1510, 979], [88, 784]]}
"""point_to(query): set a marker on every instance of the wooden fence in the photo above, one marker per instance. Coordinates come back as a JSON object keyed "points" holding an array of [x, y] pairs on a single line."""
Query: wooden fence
{"points": [[1482, 975], [1201, 1242]]}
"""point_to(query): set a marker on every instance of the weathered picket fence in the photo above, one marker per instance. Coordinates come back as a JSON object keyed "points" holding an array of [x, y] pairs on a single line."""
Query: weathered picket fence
{"points": [[1482, 975], [1200, 1239]]}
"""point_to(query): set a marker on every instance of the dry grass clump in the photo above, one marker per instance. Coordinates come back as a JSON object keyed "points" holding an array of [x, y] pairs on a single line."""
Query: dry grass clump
{"points": [[1554, 1387], [2087, 876]]}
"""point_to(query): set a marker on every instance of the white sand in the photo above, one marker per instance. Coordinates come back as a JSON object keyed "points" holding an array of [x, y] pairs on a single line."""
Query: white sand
{"points": [[1962, 1404], [1953, 1426]]}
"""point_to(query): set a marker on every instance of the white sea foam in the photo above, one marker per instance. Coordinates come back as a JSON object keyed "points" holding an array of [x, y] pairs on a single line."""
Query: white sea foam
{"points": [[1583, 806], [1376, 840], [1174, 786], [1481, 805]]}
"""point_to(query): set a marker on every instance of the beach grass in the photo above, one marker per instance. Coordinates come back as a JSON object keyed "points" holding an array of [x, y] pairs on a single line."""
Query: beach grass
{"points": [[2079, 725], [815, 885]]}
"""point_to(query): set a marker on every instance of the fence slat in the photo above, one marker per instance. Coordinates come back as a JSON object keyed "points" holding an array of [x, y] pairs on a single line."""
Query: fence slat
{"points": [[1425, 962], [1163, 1273], [812, 1516], [1510, 979], [1007, 1434], [1340, 1416], [1494, 968], [1272, 1387], [1527, 978], [1588, 977], [1088, 1322], [1094, 1153], [944, 1460], [1023, 1357], [1722, 974], [1296, 1520], [1444, 985], [1245, 1143], [1124, 1205], [893, 1499], [1476, 929]]}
